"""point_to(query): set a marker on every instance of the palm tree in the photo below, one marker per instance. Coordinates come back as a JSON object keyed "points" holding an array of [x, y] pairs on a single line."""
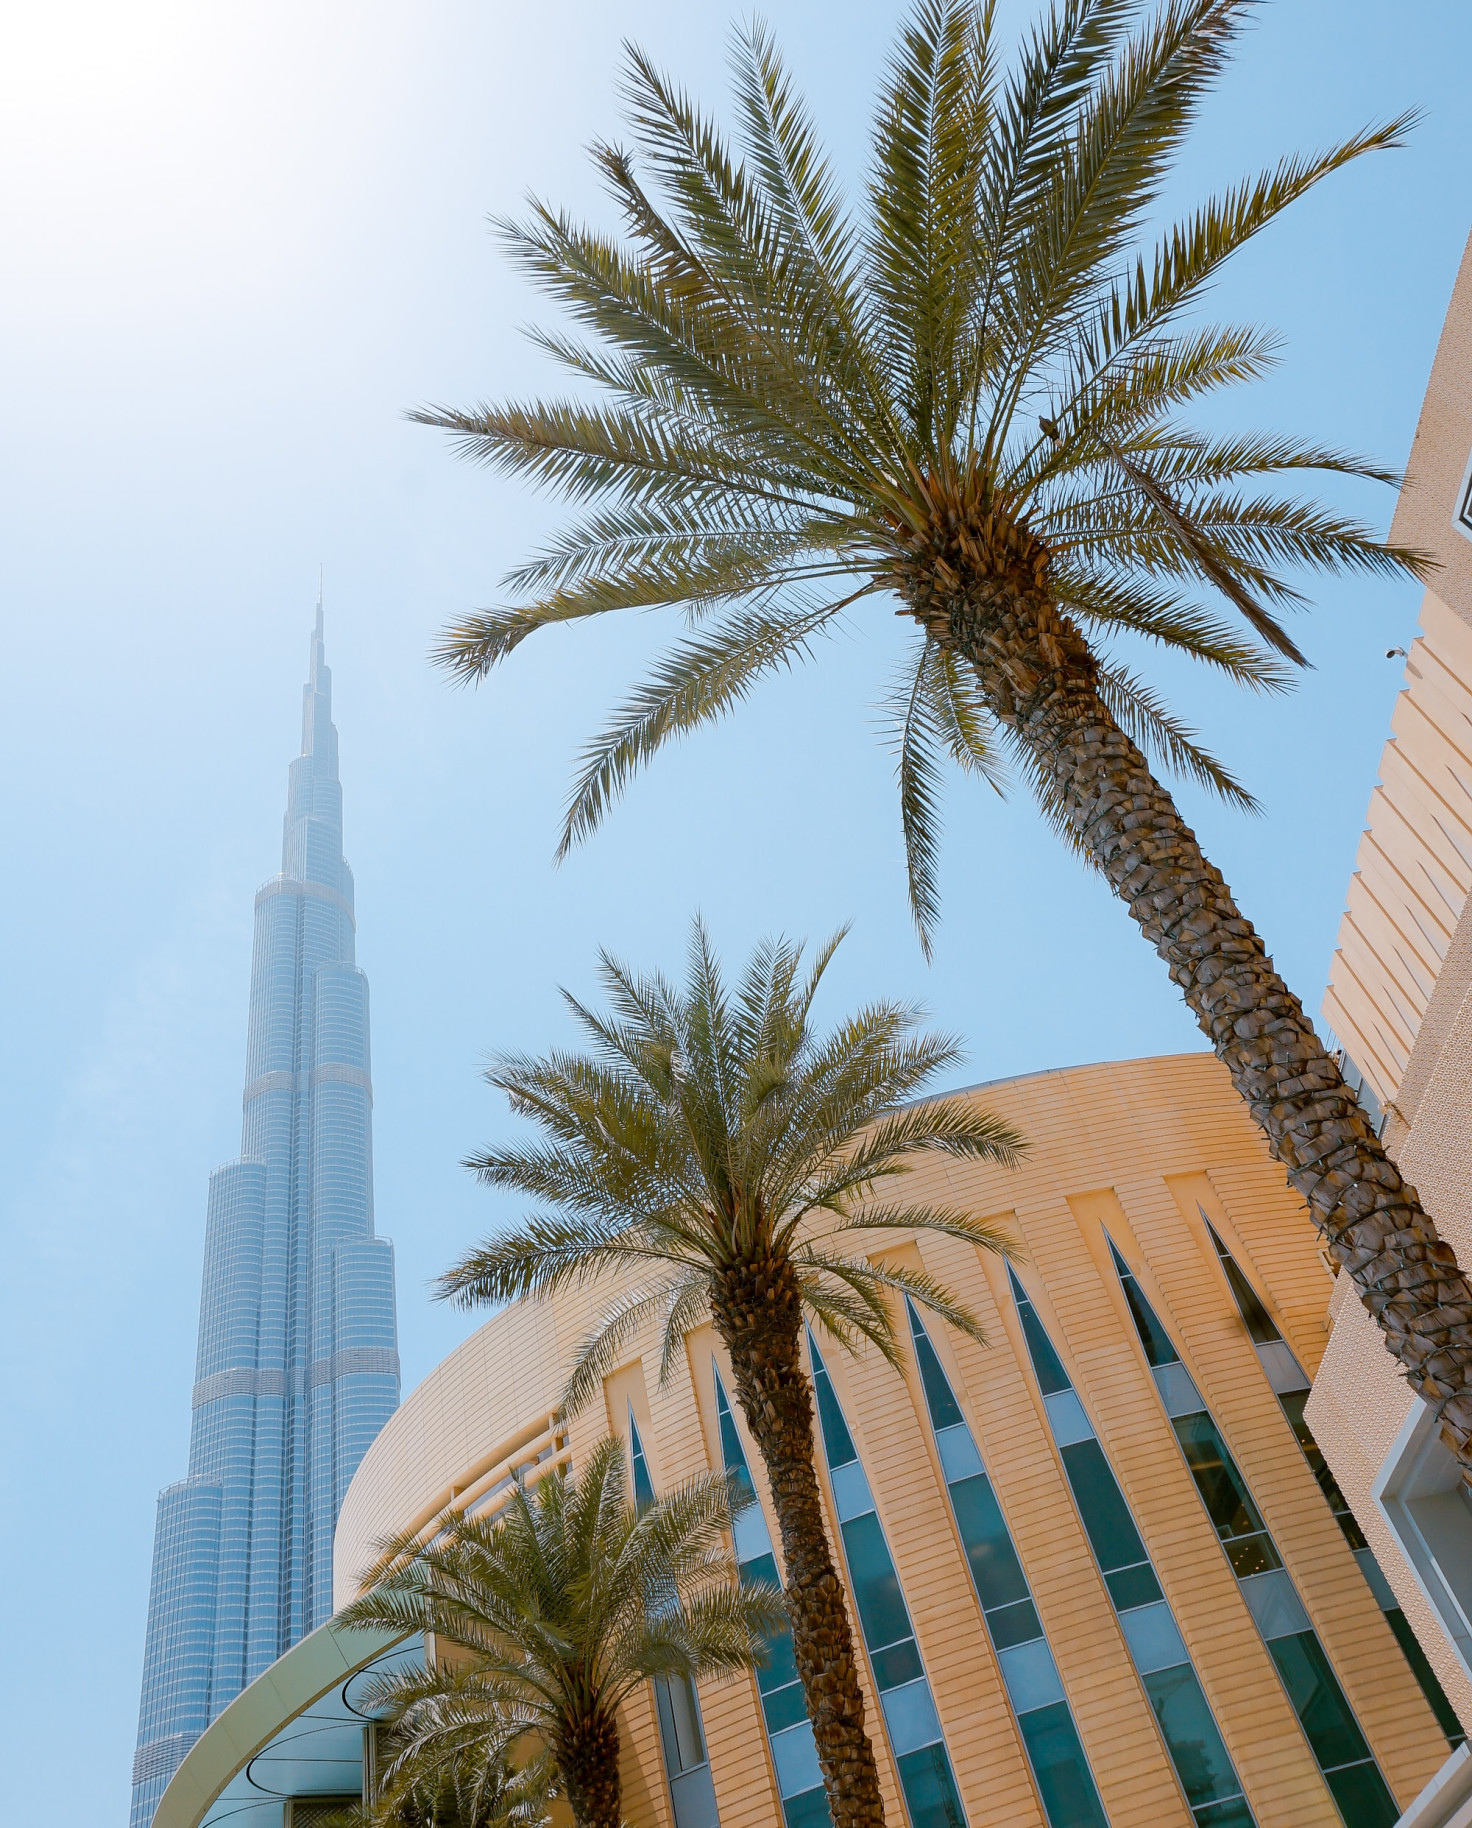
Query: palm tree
{"points": [[694, 1147], [556, 1610], [963, 401], [450, 1763]]}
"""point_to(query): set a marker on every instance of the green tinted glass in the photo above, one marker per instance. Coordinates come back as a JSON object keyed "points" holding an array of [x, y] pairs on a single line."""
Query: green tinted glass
{"points": [[945, 1411], [1436, 1695], [1061, 1769], [1363, 1798], [874, 1584], [1191, 1735], [1101, 1504], [1318, 1700], [1222, 1487], [930, 1789], [1153, 1336], [994, 1564], [810, 1810]]}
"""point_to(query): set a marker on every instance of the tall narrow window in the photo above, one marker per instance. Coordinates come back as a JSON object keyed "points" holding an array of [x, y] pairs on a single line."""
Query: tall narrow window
{"points": [[910, 1718], [784, 1712], [1291, 1388], [1197, 1752], [681, 1733], [1049, 1734], [1339, 1747]]}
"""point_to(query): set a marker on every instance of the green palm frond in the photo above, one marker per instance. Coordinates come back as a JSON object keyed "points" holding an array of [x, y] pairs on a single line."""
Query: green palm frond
{"points": [[783, 394], [936, 712], [1150, 723], [714, 1127], [562, 1605]]}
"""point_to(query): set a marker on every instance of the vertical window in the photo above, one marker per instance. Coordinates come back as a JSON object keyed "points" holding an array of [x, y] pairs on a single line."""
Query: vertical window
{"points": [[784, 1711], [1323, 1710], [1193, 1741], [910, 1718], [1291, 1388], [681, 1734], [1029, 1673]]}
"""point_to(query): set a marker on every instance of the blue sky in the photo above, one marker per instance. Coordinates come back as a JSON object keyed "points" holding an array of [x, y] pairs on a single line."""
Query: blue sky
{"points": [[239, 241]]}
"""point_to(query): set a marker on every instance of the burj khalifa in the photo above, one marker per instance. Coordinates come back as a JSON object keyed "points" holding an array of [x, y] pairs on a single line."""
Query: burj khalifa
{"points": [[298, 1366]]}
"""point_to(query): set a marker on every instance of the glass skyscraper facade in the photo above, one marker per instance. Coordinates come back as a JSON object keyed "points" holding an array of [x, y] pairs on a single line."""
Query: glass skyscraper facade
{"points": [[298, 1365]]}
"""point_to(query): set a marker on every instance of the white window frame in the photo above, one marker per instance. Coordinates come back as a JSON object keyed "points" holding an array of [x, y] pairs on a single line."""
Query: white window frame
{"points": [[1420, 1494], [1462, 506]]}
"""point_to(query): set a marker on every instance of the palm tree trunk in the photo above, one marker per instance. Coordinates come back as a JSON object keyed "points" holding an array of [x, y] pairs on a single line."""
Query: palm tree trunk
{"points": [[758, 1314], [1038, 675], [587, 1757]]}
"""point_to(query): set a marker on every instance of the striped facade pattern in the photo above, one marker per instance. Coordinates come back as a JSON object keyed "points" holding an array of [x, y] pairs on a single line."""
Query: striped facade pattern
{"points": [[1141, 1150]]}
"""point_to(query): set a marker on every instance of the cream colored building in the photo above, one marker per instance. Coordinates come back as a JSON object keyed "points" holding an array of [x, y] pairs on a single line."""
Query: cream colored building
{"points": [[1400, 1002], [1097, 1581]]}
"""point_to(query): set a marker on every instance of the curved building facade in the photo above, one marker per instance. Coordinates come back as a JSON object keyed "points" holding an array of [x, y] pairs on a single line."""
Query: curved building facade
{"points": [[297, 1367], [1099, 1570]]}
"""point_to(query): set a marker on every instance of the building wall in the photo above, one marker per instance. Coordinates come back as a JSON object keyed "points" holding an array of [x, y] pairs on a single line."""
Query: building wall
{"points": [[1400, 993], [1138, 1149]]}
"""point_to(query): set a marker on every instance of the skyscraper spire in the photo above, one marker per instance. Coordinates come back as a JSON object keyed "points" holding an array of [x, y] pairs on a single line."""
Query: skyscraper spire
{"points": [[298, 1365]]}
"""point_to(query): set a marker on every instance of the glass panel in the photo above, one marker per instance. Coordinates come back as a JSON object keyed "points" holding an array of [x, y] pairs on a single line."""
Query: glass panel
{"points": [[732, 1452], [1153, 1336], [1154, 1641], [810, 1810], [1318, 1700], [1014, 1624], [795, 1755], [1046, 1364], [872, 1579], [896, 1663], [1191, 1736], [930, 1789], [1436, 1695], [1135, 1586], [1293, 1402], [1363, 1799], [1251, 1555], [945, 1411], [643, 1484], [1233, 1814], [679, 1713], [784, 1707], [838, 1443], [910, 1716], [994, 1564], [1101, 1504], [1273, 1601], [1031, 1676], [1061, 1769], [1222, 1487], [1258, 1320]]}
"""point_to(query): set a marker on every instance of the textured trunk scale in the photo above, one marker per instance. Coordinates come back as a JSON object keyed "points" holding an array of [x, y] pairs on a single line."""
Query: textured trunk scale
{"points": [[980, 589], [758, 1314], [587, 1757]]}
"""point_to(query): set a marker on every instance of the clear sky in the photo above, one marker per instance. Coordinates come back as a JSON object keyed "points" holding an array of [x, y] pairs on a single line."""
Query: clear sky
{"points": [[238, 240]]}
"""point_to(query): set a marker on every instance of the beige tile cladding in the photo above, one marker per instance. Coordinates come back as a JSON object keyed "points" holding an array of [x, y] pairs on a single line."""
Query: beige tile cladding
{"points": [[1129, 1146], [1400, 992], [1413, 868]]}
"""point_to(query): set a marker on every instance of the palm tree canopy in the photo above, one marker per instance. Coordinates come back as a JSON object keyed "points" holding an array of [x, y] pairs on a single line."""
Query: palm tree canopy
{"points": [[712, 1128], [782, 399], [448, 1761], [565, 1602]]}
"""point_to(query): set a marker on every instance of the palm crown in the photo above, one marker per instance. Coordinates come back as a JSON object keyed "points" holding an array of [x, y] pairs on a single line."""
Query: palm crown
{"points": [[561, 1605], [712, 1132], [795, 404]]}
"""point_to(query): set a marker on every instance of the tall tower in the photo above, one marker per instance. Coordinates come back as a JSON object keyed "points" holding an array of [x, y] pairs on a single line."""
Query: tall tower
{"points": [[298, 1365]]}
